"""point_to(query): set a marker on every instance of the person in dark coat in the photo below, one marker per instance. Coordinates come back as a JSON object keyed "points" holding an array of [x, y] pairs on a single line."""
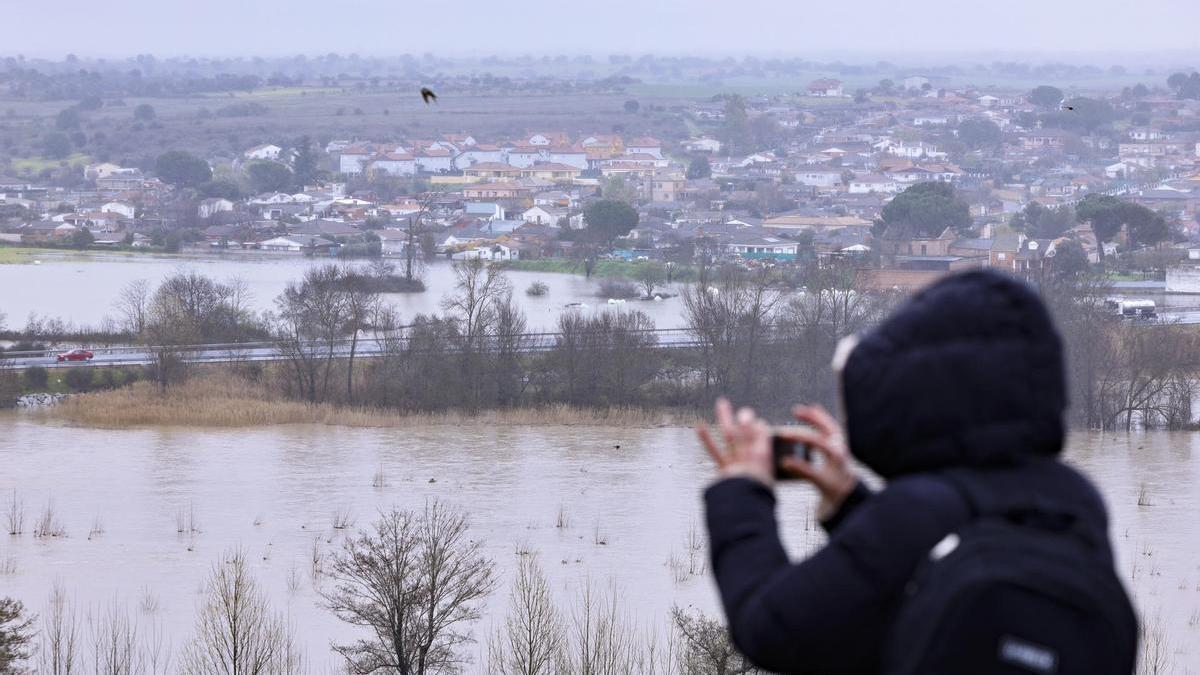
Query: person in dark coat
{"points": [[968, 374]]}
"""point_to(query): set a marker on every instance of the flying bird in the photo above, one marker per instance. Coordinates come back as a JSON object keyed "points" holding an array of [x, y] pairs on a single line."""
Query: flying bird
{"points": [[428, 95], [1068, 107]]}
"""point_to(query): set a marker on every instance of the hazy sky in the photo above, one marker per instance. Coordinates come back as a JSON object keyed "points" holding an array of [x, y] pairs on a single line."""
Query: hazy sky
{"points": [[53, 28]]}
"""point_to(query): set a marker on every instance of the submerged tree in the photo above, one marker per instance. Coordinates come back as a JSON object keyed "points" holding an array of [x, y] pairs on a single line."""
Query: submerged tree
{"points": [[236, 631], [416, 581]]}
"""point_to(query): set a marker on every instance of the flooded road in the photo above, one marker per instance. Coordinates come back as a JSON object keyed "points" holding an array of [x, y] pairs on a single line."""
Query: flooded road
{"points": [[83, 287], [273, 492]]}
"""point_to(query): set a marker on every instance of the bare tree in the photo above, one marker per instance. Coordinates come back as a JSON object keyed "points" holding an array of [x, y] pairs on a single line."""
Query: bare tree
{"points": [[236, 632], [312, 317], [479, 285], [133, 305], [533, 638], [189, 308], [15, 514], [603, 639], [58, 648], [361, 301], [730, 316], [650, 275], [114, 642], [415, 580]]}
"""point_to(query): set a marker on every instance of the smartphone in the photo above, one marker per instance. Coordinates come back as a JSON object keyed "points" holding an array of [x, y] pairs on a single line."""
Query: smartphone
{"points": [[783, 447]]}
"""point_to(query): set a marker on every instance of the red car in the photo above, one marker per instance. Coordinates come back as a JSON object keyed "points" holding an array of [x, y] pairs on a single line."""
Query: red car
{"points": [[75, 355]]}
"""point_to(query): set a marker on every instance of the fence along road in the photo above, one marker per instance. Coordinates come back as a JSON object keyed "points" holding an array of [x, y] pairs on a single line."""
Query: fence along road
{"points": [[667, 338]]}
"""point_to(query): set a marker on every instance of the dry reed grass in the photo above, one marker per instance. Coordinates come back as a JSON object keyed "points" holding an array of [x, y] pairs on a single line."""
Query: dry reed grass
{"points": [[225, 400]]}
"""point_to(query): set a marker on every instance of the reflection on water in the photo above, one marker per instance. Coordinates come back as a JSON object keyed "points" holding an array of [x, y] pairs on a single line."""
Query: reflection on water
{"points": [[273, 491], [83, 290]]}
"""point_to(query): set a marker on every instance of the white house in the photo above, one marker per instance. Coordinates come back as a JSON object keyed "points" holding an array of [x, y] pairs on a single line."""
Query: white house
{"points": [[268, 151], [394, 164], [434, 161], [479, 154], [527, 156], [644, 146], [703, 144], [569, 156], [488, 252], [295, 243], [825, 87], [353, 158], [915, 82], [122, 208], [869, 183], [392, 242], [210, 207], [819, 178]]}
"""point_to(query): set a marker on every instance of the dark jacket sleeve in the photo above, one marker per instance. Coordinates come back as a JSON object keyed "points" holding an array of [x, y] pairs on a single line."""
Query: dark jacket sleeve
{"points": [[855, 499], [830, 612]]}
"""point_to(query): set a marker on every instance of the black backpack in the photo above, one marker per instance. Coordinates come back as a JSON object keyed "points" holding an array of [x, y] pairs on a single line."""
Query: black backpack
{"points": [[1020, 592]]}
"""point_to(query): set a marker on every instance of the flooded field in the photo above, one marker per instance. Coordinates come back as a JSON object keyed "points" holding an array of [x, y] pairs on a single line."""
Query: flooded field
{"points": [[625, 513], [82, 288]]}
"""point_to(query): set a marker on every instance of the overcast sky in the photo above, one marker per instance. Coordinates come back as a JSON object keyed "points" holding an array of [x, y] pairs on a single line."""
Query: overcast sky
{"points": [[53, 28]]}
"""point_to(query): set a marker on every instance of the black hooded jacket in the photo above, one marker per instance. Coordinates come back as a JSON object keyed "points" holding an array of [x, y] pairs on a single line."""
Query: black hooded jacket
{"points": [[967, 376]]}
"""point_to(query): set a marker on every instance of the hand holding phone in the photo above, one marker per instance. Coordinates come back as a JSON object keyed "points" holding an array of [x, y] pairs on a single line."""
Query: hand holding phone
{"points": [[783, 447]]}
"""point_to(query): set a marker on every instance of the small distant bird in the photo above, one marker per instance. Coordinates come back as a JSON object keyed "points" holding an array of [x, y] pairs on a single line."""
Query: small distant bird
{"points": [[617, 447], [428, 95], [1068, 107]]}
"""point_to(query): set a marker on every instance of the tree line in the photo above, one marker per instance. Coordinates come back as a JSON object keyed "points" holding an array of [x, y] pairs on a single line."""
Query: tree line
{"points": [[413, 582]]}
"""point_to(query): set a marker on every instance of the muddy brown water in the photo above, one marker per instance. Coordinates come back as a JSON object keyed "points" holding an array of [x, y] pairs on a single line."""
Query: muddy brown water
{"points": [[272, 491]]}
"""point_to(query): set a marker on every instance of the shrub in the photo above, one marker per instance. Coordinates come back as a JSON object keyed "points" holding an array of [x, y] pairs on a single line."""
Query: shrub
{"points": [[79, 379], [36, 377], [617, 288], [537, 289]]}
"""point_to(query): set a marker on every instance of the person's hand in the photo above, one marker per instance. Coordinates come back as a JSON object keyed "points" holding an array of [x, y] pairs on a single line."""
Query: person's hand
{"points": [[747, 444], [834, 478]]}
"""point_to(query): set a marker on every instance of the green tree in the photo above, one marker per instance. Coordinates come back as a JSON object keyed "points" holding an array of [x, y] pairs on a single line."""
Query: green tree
{"points": [[1046, 96], [268, 176], [16, 634], [699, 167], [1042, 223], [67, 119], [1069, 260], [1176, 80], [632, 106], [735, 131], [56, 145], [182, 169], [223, 188], [1108, 215], [607, 219], [927, 209], [306, 164], [979, 133], [81, 238], [144, 112]]}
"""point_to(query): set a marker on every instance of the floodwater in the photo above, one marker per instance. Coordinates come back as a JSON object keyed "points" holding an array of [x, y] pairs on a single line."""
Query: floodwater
{"points": [[272, 491], [83, 288]]}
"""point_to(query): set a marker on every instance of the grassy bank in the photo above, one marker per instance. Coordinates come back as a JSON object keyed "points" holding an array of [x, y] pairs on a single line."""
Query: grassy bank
{"points": [[604, 268], [224, 400]]}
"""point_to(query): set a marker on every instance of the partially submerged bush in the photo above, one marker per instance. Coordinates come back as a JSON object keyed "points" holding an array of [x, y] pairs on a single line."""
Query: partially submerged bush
{"points": [[537, 289], [617, 289]]}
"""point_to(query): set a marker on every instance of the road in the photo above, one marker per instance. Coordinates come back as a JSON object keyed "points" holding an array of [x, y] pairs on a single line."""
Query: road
{"points": [[669, 338], [268, 351]]}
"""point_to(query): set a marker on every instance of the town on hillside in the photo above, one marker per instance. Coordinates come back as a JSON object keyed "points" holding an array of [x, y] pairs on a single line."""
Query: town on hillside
{"points": [[906, 181]]}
